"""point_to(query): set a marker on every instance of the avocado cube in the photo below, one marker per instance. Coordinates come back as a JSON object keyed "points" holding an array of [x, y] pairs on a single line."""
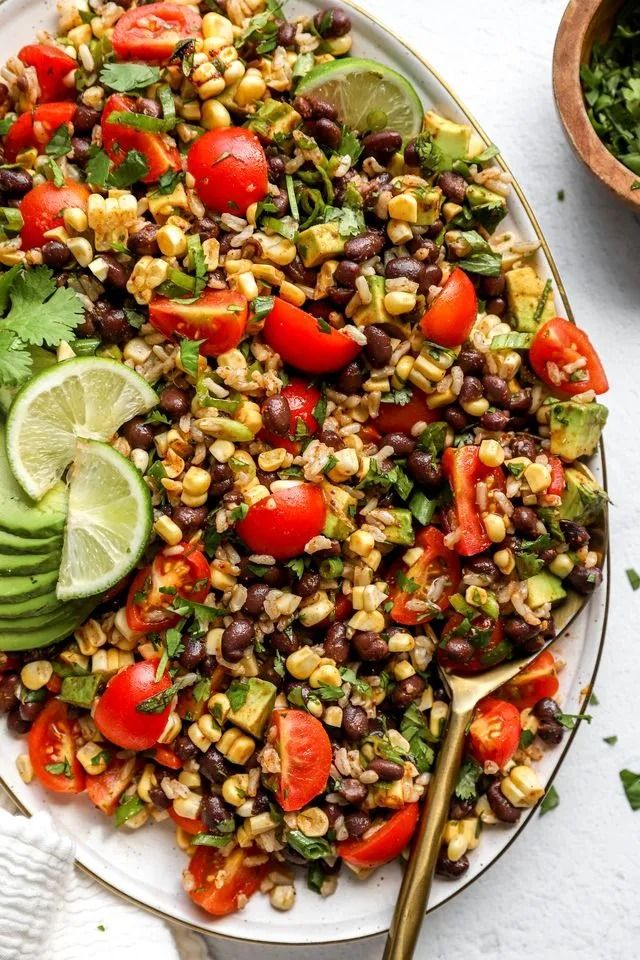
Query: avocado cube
{"points": [[338, 524], [320, 242], [575, 428], [544, 588], [583, 499], [254, 713], [275, 117], [375, 311], [452, 139], [389, 795], [429, 204], [524, 290], [488, 208], [401, 531], [80, 691]]}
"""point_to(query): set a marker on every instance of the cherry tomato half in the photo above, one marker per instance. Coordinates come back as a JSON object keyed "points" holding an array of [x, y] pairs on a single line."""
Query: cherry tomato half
{"points": [[305, 342], [495, 731], [282, 523], [464, 470], [490, 650], [385, 844], [436, 561], [305, 758], [219, 317], [558, 482], [222, 884], [192, 827], [42, 207], [151, 32], [35, 128], [302, 399], [536, 681], [166, 757], [105, 789], [230, 169], [152, 590], [394, 417], [559, 343], [118, 139], [52, 66], [449, 319], [53, 743], [117, 716]]}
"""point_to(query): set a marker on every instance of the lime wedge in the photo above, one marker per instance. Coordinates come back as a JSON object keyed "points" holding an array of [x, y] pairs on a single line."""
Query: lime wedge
{"points": [[88, 398], [109, 521], [367, 95]]}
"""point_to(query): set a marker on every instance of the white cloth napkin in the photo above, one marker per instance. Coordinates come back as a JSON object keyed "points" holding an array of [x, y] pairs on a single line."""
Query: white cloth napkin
{"points": [[51, 911]]}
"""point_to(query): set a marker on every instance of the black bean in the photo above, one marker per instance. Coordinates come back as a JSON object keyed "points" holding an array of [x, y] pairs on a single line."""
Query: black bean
{"points": [[458, 649], [496, 390], [137, 433], [550, 732], [369, 645], [423, 249], [85, 118], [336, 644], [308, 584], [221, 479], [524, 447], [276, 415], [401, 443], [432, 276], [284, 643], [357, 823], [236, 638], [298, 273], [16, 724], [340, 296], [575, 534], [332, 22], [492, 286], [585, 579], [387, 770], [481, 566], [411, 157], [525, 520], [213, 766], [189, 519], [147, 106], [496, 307], [520, 402], [331, 439], [351, 378], [15, 182], [184, 748], [470, 360], [81, 149], [159, 797], [519, 630], [261, 803], [111, 322], [117, 273], [347, 272], [55, 254], [174, 402], [214, 811], [326, 132], [363, 247], [461, 809], [435, 229], [9, 684], [451, 869], [276, 168], [195, 650], [408, 690], [286, 34], [29, 710], [470, 390], [494, 420], [424, 469], [352, 790], [206, 228], [333, 811], [381, 145], [378, 349], [453, 185], [502, 808], [209, 665], [411, 269], [143, 243], [280, 201], [256, 596], [355, 724]]}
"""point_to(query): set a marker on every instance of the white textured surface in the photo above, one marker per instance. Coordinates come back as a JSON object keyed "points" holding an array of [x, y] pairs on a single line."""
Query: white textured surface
{"points": [[568, 888]]}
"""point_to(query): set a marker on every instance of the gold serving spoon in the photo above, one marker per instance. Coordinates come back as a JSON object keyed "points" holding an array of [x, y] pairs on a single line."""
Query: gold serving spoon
{"points": [[465, 693]]}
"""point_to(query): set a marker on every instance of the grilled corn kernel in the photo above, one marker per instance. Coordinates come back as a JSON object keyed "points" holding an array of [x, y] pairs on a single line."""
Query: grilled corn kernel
{"points": [[172, 728], [255, 494], [169, 531], [368, 620], [301, 663], [246, 284], [292, 294], [399, 232], [404, 207], [250, 89], [190, 778], [221, 580], [215, 25], [398, 302], [315, 612], [437, 717], [93, 758], [494, 525], [491, 453], [209, 727], [504, 561], [277, 249], [361, 542], [214, 115], [222, 450], [248, 413], [24, 767], [313, 822], [562, 565], [283, 896], [538, 476], [401, 643], [198, 738], [75, 219], [36, 675], [236, 746], [260, 823], [74, 659], [403, 369], [81, 250], [270, 460], [219, 707], [327, 674], [79, 35], [402, 670], [475, 408], [235, 789], [188, 806], [522, 787], [171, 240], [196, 481], [347, 465], [234, 72], [146, 782], [333, 716]]}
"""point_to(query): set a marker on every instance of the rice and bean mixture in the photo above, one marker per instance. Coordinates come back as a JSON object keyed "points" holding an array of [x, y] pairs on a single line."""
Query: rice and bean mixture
{"points": [[348, 630]]}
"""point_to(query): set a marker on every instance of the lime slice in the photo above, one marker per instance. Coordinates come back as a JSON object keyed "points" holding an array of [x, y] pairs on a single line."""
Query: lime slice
{"points": [[87, 397], [109, 522], [367, 95]]}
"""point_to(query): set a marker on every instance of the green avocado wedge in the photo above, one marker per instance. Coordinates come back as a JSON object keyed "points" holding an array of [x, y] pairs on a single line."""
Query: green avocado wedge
{"points": [[41, 634], [14, 589], [16, 564], [14, 543], [19, 514], [33, 607]]}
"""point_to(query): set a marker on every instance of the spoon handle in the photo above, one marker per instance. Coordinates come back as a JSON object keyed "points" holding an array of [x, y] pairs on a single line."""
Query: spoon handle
{"points": [[418, 875]]}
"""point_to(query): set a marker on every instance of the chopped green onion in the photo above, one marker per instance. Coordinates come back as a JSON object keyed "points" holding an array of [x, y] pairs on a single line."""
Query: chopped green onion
{"points": [[293, 203]]}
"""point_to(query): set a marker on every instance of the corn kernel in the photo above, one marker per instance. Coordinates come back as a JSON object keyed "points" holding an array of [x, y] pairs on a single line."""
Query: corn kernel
{"points": [[402, 670], [215, 25], [562, 565], [209, 727], [248, 414], [402, 371], [401, 643], [219, 707], [313, 822], [24, 767], [146, 782], [222, 450], [404, 207], [172, 728], [347, 465], [81, 250], [301, 663], [437, 717], [450, 210], [521, 787], [398, 302], [315, 612], [246, 284], [283, 896], [326, 674], [475, 408], [75, 219], [171, 240], [260, 823], [92, 757], [491, 453], [169, 531], [365, 620], [250, 89], [236, 745], [292, 294], [196, 481], [235, 789], [333, 716], [361, 542], [494, 525], [198, 738], [188, 807], [504, 561], [36, 675], [270, 460], [399, 232], [538, 476]]}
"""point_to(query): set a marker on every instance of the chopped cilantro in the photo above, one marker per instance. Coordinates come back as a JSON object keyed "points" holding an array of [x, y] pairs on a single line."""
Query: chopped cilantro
{"points": [[612, 740], [550, 801], [128, 77], [189, 355], [633, 577], [60, 143], [237, 694], [631, 784], [466, 787]]}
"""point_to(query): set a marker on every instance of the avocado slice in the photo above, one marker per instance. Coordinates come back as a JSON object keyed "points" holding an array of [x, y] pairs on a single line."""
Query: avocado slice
{"points": [[401, 531], [583, 499], [575, 428], [14, 543], [80, 691], [544, 588], [19, 514], [320, 242], [13, 589], [67, 613], [31, 607], [452, 139], [72, 614], [338, 524], [488, 208], [524, 290], [375, 311], [274, 117], [254, 713], [15, 564]]}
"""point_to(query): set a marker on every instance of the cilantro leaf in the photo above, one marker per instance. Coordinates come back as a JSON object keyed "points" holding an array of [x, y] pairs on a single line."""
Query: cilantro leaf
{"points": [[466, 787], [415, 729], [237, 694], [128, 77], [631, 784], [480, 258], [15, 359], [349, 146], [611, 740], [568, 720], [159, 701], [133, 168], [633, 577], [40, 311], [550, 801], [60, 143], [189, 354], [97, 167]]}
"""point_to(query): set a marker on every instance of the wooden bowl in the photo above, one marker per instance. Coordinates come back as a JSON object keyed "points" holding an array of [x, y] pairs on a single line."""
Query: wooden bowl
{"points": [[584, 23]]}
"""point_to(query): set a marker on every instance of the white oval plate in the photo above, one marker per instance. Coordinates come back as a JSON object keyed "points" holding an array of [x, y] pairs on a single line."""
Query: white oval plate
{"points": [[145, 866]]}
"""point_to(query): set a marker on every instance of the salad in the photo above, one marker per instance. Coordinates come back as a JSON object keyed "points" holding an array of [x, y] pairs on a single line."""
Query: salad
{"points": [[290, 421]]}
